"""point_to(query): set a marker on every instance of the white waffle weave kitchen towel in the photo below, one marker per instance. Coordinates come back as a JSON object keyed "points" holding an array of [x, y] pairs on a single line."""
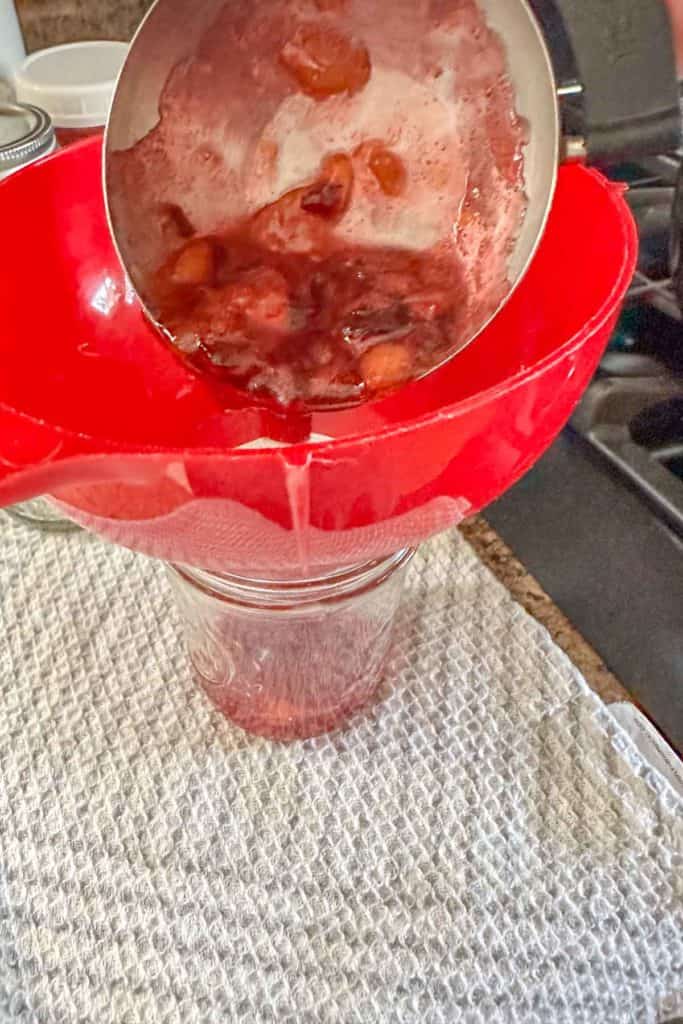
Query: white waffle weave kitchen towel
{"points": [[483, 846]]}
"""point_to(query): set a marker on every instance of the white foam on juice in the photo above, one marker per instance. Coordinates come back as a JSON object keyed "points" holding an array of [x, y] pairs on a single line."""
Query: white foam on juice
{"points": [[408, 117]]}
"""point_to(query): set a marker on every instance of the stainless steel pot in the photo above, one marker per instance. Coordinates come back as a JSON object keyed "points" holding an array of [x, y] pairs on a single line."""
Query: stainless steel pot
{"points": [[593, 79]]}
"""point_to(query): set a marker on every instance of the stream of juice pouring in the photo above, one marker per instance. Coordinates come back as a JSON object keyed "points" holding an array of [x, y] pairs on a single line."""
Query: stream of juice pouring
{"points": [[298, 483]]}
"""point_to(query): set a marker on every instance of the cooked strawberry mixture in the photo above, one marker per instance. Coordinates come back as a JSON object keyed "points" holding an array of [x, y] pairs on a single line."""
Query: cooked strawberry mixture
{"points": [[379, 201], [281, 307]]}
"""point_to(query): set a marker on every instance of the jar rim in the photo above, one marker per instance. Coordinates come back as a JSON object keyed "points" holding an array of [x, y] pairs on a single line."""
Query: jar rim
{"points": [[37, 140], [346, 582]]}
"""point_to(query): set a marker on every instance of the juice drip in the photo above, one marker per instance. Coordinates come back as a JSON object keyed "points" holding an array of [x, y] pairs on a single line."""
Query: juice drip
{"points": [[298, 484]]}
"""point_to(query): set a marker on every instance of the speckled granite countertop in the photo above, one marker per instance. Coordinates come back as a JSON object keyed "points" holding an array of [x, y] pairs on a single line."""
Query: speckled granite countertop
{"points": [[524, 588], [49, 22]]}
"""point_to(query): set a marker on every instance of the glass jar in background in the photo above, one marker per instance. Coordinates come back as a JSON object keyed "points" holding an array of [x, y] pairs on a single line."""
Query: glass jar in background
{"points": [[290, 660], [26, 135], [74, 83]]}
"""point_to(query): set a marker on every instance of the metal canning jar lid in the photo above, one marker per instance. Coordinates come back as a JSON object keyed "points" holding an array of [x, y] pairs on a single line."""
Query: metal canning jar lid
{"points": [[26, 134]]}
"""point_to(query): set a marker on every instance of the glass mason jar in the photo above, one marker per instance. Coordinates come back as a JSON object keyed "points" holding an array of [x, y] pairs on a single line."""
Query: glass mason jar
{"points": [[289, 660]]}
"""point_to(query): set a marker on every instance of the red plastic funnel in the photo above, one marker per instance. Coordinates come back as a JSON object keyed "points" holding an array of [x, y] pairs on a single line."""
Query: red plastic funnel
{"points": [[97, 411]]}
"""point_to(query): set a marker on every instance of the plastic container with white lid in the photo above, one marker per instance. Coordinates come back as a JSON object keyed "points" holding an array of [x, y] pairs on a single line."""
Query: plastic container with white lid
{"points": [[74, 83]]}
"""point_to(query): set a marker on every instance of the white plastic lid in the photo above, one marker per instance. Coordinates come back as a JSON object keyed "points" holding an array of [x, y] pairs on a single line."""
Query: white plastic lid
{"points": [[74, 83]]}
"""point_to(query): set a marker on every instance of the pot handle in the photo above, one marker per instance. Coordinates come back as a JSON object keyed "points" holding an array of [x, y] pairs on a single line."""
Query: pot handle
{"points": [[623, 57]]}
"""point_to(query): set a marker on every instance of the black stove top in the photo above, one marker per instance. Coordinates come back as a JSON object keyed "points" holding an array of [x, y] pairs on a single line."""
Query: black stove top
{"points": [[599, 521]]}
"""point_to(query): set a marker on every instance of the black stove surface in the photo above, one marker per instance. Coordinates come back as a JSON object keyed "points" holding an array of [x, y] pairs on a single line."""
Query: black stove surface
{"points": [[599, 521]]}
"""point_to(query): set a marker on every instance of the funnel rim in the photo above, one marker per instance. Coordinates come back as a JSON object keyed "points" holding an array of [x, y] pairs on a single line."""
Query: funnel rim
{"points": [[607, 308]]}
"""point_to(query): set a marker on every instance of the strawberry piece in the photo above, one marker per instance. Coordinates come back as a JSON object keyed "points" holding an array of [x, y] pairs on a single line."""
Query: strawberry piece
{"points": [[195, 263], [331, 195], [388, 169], [324, 62], [386, 365]]}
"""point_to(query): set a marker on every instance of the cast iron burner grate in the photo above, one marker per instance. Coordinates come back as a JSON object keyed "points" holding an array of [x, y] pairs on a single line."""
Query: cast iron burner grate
{"points": [[632, 413]]}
